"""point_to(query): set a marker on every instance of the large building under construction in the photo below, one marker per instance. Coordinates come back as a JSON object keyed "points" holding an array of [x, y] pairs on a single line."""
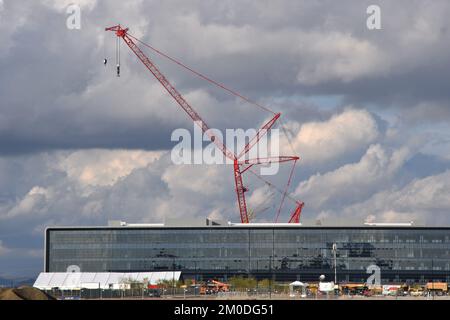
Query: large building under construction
{"points": [[281, 252]]}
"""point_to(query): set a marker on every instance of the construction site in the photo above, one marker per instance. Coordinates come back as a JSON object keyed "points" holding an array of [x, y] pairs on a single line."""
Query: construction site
{"points": [[259, 256]]}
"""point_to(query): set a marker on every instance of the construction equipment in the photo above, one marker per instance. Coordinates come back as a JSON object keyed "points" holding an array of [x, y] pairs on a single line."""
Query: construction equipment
{"points": [[218, 286], [295, 216], [438, 288], [240, 166], [213, 287]]}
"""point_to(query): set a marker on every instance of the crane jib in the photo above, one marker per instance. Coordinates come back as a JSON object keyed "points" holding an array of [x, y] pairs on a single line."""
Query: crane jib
{"points": [[239, 167]]}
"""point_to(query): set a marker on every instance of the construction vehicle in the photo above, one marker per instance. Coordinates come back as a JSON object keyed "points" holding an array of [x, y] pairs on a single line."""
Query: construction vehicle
{"points": [[353, 288], [220, 286], [438, 288], [241, 165], [416, 291], [213, 287]]}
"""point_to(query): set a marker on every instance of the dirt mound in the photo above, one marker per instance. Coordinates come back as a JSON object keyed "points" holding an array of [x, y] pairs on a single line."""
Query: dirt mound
{"points": [[24, 293], [9, 294]]}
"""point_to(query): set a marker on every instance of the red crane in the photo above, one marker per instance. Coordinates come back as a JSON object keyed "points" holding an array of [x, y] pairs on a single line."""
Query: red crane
{"points": [[240, 166]]}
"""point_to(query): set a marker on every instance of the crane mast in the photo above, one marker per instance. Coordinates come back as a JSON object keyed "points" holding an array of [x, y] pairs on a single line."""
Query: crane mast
{"points": [[239, 166]]}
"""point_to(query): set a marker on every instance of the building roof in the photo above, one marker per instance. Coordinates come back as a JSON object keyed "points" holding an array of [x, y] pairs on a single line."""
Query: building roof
{"points": [[306, 223], [208, 223]]}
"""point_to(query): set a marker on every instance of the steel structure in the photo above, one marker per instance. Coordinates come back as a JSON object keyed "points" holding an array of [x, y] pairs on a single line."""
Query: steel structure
{"points": [[240, 166]]}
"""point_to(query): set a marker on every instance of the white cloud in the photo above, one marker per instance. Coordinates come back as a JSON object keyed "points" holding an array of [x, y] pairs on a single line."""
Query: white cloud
{"points": [[206, 180], [260, 198], [98, 185], [61, 5], [216, 214], [430, 193], [339, 56], [103, 167], [422, 200], [32, 203], [344, 133], [375, 170]]}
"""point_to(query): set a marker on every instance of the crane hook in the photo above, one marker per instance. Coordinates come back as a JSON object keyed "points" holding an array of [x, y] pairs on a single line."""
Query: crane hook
{"points": [[118, 56]]}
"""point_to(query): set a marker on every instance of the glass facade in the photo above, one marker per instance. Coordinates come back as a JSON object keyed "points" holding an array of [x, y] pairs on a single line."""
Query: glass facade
{"points": [[282, 253]]}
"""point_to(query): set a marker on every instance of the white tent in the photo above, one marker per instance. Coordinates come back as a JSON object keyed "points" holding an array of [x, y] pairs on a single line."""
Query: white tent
{"points": [[297, 284], [98, 280]]}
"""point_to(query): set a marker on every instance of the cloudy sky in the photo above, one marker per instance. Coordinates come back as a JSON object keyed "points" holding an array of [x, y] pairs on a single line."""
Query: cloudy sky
{"points": [[367, 110]]}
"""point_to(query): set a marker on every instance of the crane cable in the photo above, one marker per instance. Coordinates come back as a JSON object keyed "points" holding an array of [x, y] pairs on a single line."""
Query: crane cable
{"points": [[288, 136], [262, 206], [217, 84], [118, 56], [285, 191], [287, 195], [105, 60]]}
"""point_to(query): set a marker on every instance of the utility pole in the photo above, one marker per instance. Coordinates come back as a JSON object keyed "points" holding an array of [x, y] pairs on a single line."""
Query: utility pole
{"points": [[334, 253], [173, 278], [270, 281]]}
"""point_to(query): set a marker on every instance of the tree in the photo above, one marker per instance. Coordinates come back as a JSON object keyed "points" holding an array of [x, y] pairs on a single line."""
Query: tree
{"points": [[243, 283], [265, 283]]}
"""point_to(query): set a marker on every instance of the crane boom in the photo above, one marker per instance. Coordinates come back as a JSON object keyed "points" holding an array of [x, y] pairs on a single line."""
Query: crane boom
{"points": [[240, 189], [120, 32], [295, 216]]}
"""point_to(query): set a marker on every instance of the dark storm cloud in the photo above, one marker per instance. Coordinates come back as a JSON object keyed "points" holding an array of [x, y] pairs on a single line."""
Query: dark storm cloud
{"points": [[55, 93], [402, 64]]}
